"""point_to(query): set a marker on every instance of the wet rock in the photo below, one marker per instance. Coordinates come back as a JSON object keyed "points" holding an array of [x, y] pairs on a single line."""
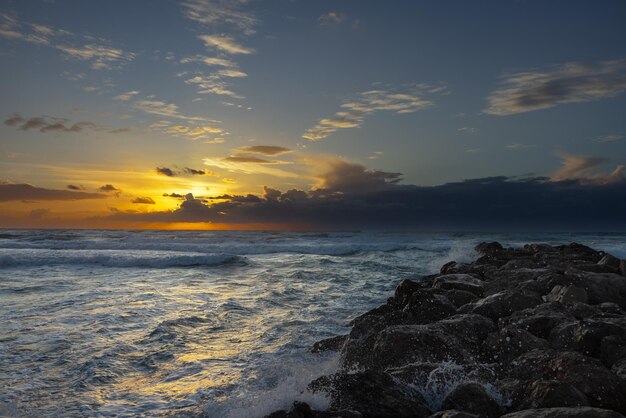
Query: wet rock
{"points": [[610, 308], [602, 388], [488, 248], [586, 336], [602, 287], [612, 349], [452, 413], [575, 412], [472, 397], [460, 297], [373, 394], [552, 394], [465, 282], [504, 303], [303, 410], [609, 260], [329, 344], [619, 369], [567, 294], [539, 320], [427, 306], [510, 342], [404, 291]]}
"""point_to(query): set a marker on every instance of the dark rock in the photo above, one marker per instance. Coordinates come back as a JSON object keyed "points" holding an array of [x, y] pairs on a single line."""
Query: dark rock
{"points": [[373, 394], [609, 260], [452, 413], [601, 287], [575, 251], [539, 320], [504, 303], [488, 248], [575, 412], [610, 308], [597, 268], [586, 336], [404, 291], [613, 349], [619, 369], [472, 397], [602, 388], [510, 342], [567, 294], [499, 280], [583, 311], [427, 306], [464, 282], [329, 344], [552, 394], [460, 297]]}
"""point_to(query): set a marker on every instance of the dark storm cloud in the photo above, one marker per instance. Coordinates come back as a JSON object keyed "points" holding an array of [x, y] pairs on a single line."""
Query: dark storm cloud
{"points": [[109, 188], [9, 192], [165, 171]]}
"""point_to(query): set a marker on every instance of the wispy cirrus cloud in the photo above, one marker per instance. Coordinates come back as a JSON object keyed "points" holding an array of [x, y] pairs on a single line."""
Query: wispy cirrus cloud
{"points": [[331, 18], [584, 168], [97, 52], [265, 150], [609, 138], [568, 83], [45, 124], [161, 108], [213, 84], [225, 43], [228, 13], [129, 95], [354, 112]]}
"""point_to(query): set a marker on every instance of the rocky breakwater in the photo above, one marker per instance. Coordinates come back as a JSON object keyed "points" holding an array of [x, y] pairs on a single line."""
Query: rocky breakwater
{"points": [[538, 331]]}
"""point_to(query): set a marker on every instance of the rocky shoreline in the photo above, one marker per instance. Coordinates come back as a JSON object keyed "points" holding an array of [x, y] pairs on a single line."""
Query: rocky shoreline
{"points": [[538, 331]]}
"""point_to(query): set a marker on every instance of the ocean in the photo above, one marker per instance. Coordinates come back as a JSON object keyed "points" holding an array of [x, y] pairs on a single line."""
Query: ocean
{"points": [[198, 323]]}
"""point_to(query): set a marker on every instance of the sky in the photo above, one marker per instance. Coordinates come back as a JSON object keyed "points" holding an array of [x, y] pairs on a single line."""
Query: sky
{"points": [[294, 114]]}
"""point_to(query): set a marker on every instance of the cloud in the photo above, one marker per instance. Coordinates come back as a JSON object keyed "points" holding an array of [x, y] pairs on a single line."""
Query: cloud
{"points": [[161, 108], [75, 187], [520, 146], [126, 96], [10, 191], [195, 172], [340, 176], [225, 44], [331, 18], [143, 201], [568, 83], [492, 203], [369, 102], [609, 138], [210, 61], [265, 150], [213, 84], [221, 12], [165, 171], [109, 188], [46, 124], [584, 169], [82, 47], [38, 213], [250, 159]]}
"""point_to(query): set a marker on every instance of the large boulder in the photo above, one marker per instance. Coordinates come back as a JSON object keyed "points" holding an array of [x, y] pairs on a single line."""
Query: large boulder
{"points": [[464, 282], [373, 394], [472, 397], [503, 304], [575, 412], [602, 388], [601, 287], [539, 320], [510, 342], [567, 294], [586, 336], [551, 394]]}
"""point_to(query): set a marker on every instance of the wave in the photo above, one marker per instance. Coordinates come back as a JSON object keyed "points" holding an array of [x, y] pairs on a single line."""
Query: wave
{"points": [[104, 259]]}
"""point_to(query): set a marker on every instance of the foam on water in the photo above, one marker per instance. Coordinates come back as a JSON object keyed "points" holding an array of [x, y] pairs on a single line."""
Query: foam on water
{"points": [[156, 323]]}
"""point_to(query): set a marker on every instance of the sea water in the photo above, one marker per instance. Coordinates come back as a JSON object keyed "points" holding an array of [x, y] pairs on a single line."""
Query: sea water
{"points": [[188, 323]]}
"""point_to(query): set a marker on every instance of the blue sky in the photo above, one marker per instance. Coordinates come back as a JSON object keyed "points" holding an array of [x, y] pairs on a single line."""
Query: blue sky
{"points": [[97, 93]]}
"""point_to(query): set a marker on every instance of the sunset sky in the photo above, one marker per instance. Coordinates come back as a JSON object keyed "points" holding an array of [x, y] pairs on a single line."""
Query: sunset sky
{"points": [[312, 114]]}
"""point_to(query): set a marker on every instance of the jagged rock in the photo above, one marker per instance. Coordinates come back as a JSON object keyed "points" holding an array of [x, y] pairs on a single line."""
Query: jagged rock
{"points": [[609, 260], [610, 308], [329, 344], [586, 336], [538, 320], [575, 251], [601, 287], [567, 294], [427, 306], [552, 394], [452, 413], [602, 388], [404, 291], [373, 394], [503, 304], [619, 369], [612, 349], [583, 311], [510, 342], [499, 280], [488, 248], [575, 412], [472, 397], [460, 297], [463, 282]]}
